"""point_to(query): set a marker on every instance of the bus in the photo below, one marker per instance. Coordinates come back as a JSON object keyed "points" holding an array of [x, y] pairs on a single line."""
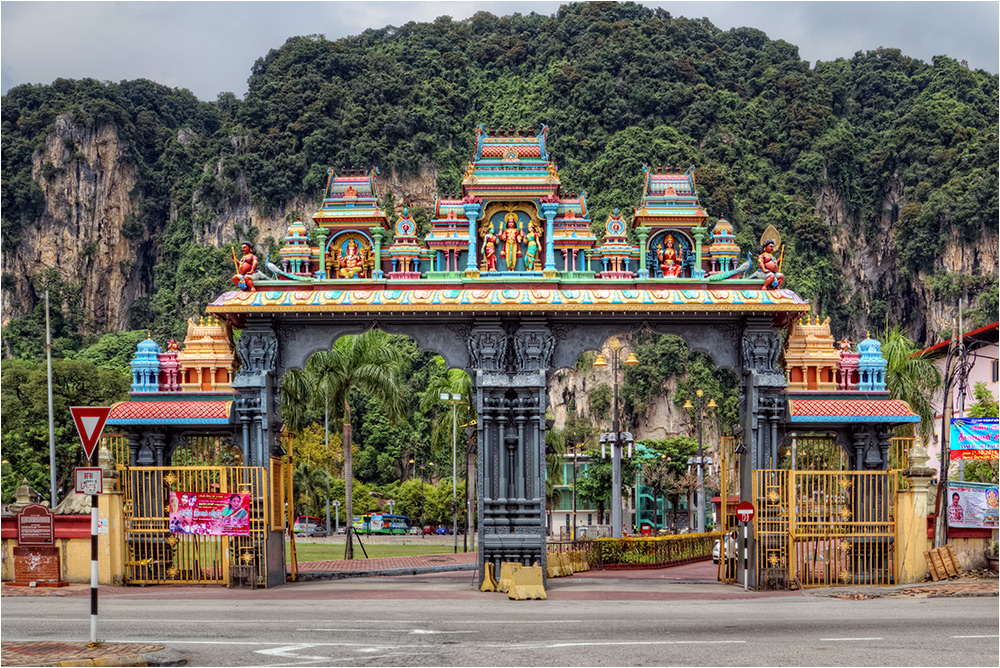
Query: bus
{"points": [[384, 523]]}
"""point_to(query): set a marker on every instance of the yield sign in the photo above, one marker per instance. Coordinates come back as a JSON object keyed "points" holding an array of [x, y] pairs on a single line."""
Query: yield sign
{"points": [[90, 423]]}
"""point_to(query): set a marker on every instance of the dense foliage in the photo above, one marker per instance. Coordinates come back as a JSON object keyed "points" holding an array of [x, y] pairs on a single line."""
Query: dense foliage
{"points": [[875, 149]]}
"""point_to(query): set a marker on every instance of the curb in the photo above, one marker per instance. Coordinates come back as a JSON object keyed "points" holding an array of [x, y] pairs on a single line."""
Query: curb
{"points": [[163, 657], [417, 570]]}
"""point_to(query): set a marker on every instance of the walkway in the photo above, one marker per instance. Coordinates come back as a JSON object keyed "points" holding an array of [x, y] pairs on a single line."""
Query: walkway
{"points": [[411, 565]]}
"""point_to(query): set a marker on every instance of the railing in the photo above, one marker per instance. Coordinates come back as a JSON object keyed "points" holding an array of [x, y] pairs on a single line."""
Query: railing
{"points": [[629, 553]]}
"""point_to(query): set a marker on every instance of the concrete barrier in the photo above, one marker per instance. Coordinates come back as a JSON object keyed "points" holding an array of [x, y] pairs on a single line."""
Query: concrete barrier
{"points": [[489, 582], [505, 580], [527, 584]]}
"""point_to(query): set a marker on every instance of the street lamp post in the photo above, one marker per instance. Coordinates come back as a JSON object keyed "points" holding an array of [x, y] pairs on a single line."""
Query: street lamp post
{"points": [[391, 503], [336, 505], [700, 498], [454, 400], [617, 439]]}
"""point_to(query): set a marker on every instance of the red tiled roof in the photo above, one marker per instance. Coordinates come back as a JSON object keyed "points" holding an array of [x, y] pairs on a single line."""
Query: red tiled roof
{"points": [[170, 411], [976, 332], [852, 410]]}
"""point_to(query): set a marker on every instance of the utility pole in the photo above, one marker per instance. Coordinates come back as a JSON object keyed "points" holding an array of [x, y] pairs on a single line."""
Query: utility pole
{"points": [[52, 428]]}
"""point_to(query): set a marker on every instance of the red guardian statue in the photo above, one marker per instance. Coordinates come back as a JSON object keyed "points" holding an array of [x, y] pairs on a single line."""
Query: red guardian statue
{"points": [[771, 268], [246, 267]]}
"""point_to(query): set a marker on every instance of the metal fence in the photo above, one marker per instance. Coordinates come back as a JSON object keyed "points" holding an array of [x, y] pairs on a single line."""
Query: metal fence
{"points": [[154, 555], [824, 528]]}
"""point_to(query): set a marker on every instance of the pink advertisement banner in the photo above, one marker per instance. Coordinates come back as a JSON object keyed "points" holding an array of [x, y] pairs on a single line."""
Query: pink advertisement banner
{"points": [[210, 514]]}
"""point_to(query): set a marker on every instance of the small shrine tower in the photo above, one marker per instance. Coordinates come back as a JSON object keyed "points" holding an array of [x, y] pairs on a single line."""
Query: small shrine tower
{"points": [[207, 359], [146, 367]]}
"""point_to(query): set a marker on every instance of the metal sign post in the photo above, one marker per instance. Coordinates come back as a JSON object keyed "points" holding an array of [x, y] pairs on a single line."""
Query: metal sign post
{"points": [[89, 422], [744, 513]]}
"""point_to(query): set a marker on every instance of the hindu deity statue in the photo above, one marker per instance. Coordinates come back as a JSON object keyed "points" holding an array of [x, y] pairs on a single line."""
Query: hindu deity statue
{"points": [[489, 249], [669, 262], [533, 238], [511, 237], [771, 268], [351, 261], [246, 267]]}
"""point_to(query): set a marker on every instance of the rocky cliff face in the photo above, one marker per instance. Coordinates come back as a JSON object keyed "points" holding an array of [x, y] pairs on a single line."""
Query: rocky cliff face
{"points": [[662, 420], [87, 177], [869, 267], [90, 233]]}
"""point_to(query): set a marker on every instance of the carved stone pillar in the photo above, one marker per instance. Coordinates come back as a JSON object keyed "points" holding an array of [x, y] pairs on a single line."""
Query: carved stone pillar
{"points": [[508, 364], [643, 235], [257, 349], [473, 209], [760, 407]]}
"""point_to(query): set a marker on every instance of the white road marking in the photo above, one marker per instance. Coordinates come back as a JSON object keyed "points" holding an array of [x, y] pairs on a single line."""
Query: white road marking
{"points": [[418, 632], [288, 652], [847, 639], [993, 636], [613, 643]]}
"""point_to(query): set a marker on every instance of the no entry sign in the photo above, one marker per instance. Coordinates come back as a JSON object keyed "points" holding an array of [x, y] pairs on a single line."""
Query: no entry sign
{"points": [[744, 511]]}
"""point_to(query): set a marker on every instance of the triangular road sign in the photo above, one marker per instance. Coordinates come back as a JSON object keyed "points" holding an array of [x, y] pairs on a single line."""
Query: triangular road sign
{"points": [[90, 423]]}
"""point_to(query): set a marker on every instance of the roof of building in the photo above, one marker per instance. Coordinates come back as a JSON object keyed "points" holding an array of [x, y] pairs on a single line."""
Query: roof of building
{"points": [[850, 410], [170, 412], [984, 335]]}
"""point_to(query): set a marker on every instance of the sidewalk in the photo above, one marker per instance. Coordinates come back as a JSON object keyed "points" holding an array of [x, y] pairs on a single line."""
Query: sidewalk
{"points": [[79, 654], [383, 566]]}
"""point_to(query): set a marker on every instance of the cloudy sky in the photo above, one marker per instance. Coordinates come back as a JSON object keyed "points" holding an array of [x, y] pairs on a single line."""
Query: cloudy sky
{"points": [[209, 47]]}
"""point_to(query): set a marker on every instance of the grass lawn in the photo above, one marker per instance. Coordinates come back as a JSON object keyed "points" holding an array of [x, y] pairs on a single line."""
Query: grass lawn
{"points": [[323, 552]]}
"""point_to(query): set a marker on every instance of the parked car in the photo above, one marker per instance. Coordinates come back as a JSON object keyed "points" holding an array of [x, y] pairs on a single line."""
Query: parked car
{"points": [[318, 531], [415, 531], [428, 530], [443, 531]]}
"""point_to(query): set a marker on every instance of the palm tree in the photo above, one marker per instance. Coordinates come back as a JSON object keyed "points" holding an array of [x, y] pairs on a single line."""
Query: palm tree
{"points": [[910, 377], [446, 422], [370, 363], [555, 448], [308, 484]]}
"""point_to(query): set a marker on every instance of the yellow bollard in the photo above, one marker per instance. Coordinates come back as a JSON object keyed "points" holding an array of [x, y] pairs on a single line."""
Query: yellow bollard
{"points": [[507, 569], [489, 582], [527, 584]]}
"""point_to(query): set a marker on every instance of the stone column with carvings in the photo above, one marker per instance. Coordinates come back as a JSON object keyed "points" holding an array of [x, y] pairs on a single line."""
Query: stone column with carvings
{"points": [[257, 349], [473, 209], [549, 209], [763, 383], [699, 236], [321, 233], [911, 518], [643, 236], [377, 233], [509, 379]]}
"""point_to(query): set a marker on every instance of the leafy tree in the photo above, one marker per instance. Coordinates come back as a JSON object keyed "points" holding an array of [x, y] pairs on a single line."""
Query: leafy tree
{"points": [[596, 484], [24, 431]]}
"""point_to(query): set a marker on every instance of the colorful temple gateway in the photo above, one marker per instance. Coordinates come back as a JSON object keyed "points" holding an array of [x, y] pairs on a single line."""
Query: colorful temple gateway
{"points": [[512, 223]]}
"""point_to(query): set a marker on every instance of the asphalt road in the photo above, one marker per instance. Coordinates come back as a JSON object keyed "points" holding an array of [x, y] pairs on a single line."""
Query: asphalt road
{"points": [[442, 621]]}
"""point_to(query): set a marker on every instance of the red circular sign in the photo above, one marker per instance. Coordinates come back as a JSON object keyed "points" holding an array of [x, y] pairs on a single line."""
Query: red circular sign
{"points": [[744, 511]]}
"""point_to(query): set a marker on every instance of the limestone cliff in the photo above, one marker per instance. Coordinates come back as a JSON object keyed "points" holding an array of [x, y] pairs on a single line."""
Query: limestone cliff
{"points": [[88, 180]]}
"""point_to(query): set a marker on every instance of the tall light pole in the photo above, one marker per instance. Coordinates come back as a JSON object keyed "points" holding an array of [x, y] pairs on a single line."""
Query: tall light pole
{"points": [[336, 506], [454, 400], [700, 498], [617, 439]]}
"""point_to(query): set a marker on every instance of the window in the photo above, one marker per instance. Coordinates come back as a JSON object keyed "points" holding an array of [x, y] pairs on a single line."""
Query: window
{"points": [[995, 371]]}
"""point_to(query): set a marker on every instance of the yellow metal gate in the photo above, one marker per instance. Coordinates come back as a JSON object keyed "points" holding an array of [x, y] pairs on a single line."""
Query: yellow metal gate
{"points": [[154, 555], [823, 528]]}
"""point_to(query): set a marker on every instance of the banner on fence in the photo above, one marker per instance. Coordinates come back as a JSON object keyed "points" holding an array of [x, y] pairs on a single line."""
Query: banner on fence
{"points": [[973, 505], [975, 438], [210, 514]]}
